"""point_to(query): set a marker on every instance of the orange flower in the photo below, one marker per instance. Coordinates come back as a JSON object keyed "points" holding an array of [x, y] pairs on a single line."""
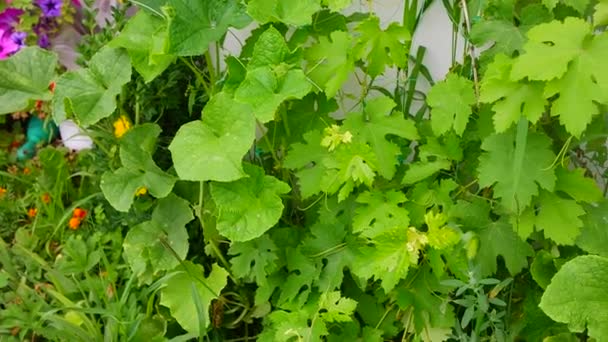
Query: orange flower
{"points": [[39, 104], [74, 223], [26, 170], [46, 198], [2, 191], [32, 212], [52, 87], [79, 213]]}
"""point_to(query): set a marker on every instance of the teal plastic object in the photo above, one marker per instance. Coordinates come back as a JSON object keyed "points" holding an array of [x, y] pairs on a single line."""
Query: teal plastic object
{"points": [[37, 132]]}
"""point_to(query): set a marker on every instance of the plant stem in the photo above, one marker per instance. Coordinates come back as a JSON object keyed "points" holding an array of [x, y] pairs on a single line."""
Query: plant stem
{"points": [[465, 11], [270, 145], [214, 247], [197, 74], [211, 70], [136, 110]]}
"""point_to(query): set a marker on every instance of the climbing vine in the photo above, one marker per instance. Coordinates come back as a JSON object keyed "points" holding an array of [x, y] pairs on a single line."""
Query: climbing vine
{"points": [[296, 209]]}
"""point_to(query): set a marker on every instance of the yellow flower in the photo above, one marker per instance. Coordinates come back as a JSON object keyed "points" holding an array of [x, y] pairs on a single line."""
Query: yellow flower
{"points": [[141, 191], [121, 126]]}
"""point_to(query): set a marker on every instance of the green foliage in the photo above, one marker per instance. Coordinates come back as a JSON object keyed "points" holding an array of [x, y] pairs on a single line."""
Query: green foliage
{"points": [[567, 56], [265, 88], [593, 235], [138, 169], [295, 13], [329, 308], [518, 165], [430, 315], [152, 246], [577, 294], [388, 257], [254, 259], [507, 38], [331, 62], [500, 239], [308, 159], [248, 207], [188, 294], [89, 94], [559, 218], [193, 25], [600, 16], [381, 213], [270, 81], [381, 48], [309, 201], [451, 101], [374, 125], [144, 37], [511, 99], [212, 149], [22, 82]]}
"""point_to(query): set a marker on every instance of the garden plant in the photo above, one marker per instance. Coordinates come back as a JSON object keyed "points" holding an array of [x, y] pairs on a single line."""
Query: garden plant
{"points": [[315, 185]]}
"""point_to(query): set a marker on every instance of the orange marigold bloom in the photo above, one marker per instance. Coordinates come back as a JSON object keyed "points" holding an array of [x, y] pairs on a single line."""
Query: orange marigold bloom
{"points": [[46, 198], [79, 213], [74, 223], [26, 171], [32, 212], [2, 191]]}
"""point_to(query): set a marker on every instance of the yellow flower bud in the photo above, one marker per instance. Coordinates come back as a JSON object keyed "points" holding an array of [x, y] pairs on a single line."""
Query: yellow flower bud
{"points": [[121, 126]]}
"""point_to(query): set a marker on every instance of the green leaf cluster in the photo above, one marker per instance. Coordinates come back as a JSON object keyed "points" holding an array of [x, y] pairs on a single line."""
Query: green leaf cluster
{"points": [[138, 169]]}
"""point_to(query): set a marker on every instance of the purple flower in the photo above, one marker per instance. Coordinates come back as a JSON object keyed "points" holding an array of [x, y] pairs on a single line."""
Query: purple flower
{"points": [[9, 17], [19, 38], [7, 45], [43, 41], [50, 8]]}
